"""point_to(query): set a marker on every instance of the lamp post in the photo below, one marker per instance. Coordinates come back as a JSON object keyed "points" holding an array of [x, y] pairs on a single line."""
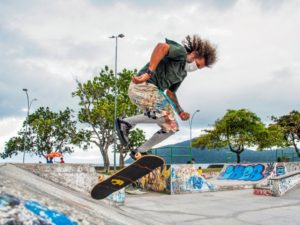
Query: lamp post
{"points": [[115, 100], [26, 128], [191, 123]]}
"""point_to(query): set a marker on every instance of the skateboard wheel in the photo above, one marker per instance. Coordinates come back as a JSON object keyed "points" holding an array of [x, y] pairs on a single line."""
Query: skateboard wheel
{"points": [[138, 155]]}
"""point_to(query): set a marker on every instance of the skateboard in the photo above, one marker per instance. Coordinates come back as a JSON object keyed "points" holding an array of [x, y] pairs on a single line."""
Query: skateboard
{"points": [[126, 176]]}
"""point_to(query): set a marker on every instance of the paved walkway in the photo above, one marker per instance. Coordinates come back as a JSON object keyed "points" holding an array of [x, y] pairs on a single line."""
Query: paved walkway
{"points": [[239, 207]]}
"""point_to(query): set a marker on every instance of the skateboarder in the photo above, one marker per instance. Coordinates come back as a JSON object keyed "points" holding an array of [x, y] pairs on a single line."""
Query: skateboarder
{"points": [[154, 88]]}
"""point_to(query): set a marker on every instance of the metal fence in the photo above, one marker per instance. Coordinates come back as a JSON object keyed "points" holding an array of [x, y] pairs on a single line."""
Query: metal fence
{"points": [[170, 153], [287, 156]]}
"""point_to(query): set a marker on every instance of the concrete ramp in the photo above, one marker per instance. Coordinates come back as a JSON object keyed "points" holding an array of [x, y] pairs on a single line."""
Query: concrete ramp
{"points": [[79, 207]]}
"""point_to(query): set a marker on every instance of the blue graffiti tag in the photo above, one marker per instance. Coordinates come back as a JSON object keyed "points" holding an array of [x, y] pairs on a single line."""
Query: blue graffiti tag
{"points": [[242, 172], [47, 214], [195, 182], [280, 170]]}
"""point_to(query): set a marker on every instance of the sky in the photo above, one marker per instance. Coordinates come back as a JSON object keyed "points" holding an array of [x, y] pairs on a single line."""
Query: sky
{"points": [[46, 45]]}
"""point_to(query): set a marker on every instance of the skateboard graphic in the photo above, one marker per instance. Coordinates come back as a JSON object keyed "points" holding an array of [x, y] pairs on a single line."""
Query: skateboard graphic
{"points": [[126, 176]]}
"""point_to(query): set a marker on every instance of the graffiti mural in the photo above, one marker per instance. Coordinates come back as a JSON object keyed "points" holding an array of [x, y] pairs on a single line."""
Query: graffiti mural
{"points": [[158, 180], [175, 179], [16, 211], [118, 196], [270, 169], [185, 178], [48, 215], [244, 172]]}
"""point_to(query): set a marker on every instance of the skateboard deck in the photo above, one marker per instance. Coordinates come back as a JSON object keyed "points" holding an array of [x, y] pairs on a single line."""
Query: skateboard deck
{"points": [[126, 176]]}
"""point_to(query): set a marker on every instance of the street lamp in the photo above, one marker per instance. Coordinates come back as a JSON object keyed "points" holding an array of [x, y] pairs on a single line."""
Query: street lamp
{"points": [[115, 101], [26, 128], [191, 123]]}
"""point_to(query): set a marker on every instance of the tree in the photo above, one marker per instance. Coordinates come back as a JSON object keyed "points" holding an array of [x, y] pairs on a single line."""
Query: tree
{"points": [[48, 132], [290, 125], [237, 129], [272, 136], [96, 99]]}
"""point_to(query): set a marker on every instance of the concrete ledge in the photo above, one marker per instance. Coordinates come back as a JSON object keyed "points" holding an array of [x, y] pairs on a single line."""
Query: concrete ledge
{"points": [[282, 184], [285, 176]]}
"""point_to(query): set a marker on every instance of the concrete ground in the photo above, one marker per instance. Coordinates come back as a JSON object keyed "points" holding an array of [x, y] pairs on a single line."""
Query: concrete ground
{"points": [[225, 207]]}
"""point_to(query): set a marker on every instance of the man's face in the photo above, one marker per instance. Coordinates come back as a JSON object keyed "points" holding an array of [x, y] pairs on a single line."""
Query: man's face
{"points": [[200, 61]]}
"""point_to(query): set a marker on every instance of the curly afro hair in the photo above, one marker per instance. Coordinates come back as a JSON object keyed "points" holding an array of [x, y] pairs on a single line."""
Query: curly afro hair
{"points": [[202, 47]]}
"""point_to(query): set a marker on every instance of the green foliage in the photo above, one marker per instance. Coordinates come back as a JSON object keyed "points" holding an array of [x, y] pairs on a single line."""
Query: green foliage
{"points": [[272, 136], [290, 126], [47, 132], [136, 138], [237, 129], [13, 146]]}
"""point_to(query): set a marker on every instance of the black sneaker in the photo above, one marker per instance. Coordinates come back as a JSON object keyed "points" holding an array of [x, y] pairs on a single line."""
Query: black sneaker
{"points": [[123, 129], [132, 154]]}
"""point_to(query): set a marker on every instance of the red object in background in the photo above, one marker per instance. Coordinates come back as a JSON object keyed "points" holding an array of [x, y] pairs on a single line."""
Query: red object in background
{"points": [[54, 154]]}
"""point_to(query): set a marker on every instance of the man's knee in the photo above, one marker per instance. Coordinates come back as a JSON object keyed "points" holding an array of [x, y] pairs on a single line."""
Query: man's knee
{"points": [[151, 114], [165, 131]]}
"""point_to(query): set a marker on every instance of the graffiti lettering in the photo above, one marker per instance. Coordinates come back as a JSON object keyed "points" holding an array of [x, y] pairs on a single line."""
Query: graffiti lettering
{"points": [[244, 172]]}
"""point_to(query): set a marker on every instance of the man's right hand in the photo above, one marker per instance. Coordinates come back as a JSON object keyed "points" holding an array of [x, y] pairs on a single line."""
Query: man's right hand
{"points": [[140, 79], [184, 116]]}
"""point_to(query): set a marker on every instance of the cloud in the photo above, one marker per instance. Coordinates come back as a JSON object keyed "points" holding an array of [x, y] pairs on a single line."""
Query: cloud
{"points": [[9, 127]]}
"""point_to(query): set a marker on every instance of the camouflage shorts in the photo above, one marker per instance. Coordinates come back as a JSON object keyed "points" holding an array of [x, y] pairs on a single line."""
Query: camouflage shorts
{"points": [[152, 101]]}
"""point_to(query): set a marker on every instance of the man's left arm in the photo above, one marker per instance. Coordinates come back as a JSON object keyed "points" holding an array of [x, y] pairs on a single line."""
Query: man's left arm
{"points": [[183, 115]]}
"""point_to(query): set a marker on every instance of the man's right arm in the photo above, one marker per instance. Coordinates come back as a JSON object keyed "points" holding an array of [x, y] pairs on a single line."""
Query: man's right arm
{"points": [[157, 55]]}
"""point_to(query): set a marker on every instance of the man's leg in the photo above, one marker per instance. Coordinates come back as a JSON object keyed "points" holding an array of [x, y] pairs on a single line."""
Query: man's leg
{"points": [[158, 137], [124, 125], [168, 128], [147, 117]]}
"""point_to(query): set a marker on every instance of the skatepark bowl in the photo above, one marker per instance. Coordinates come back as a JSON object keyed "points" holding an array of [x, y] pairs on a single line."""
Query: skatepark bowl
{"points": [[259, 193]]}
